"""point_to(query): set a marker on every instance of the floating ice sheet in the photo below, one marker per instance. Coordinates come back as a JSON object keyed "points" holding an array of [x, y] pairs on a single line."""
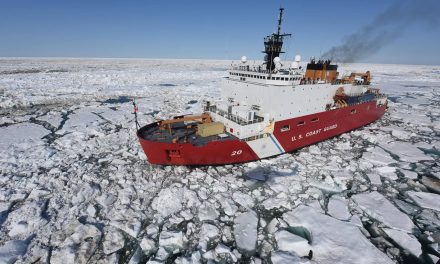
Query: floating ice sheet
{"points": [[378, 207], [245, 231], [406, 241], [426, 200], [25, 134], [334, 241], [406, 151]]}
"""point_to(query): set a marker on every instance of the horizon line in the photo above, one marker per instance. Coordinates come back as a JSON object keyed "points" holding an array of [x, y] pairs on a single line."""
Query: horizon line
{"points": [[183, 59]]}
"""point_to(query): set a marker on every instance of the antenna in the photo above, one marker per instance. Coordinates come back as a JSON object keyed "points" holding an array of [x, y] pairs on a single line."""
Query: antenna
{"points": [[280, 20]]}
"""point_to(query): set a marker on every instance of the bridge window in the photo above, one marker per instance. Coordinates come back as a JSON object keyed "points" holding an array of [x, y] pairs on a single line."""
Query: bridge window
{"points": [[278, 78]]}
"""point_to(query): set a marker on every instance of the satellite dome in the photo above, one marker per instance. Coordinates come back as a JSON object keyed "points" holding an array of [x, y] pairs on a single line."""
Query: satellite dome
{"points": [[276, 60], [298, 58], [294, 65], [243, 59]]}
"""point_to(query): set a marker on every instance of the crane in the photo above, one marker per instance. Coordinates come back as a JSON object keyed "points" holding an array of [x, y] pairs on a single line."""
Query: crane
{"points": [[166, 124]]}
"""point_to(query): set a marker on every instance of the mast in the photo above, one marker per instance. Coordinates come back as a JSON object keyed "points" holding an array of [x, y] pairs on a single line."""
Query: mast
{"points": [[273, 44], [280, 20]]}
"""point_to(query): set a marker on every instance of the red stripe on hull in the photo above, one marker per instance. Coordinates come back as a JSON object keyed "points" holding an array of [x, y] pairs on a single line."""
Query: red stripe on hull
{"points": [[326, 125], [213, 153]]}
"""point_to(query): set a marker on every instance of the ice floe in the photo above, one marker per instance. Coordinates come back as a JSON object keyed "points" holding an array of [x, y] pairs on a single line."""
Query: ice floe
{"points": [[245, 231], [406, 151], [405, 241], [338, 242], [379, 208], [289, 242], [12, 250], [426, 200], [21, 135], [338, 208]]}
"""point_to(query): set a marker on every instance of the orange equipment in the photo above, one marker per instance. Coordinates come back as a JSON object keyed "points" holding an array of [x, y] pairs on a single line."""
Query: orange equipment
{"points": [[366, 77], [166, 124]]}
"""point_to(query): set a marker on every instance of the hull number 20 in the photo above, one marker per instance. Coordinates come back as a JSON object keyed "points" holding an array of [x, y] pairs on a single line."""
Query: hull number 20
{"points": [[236, 152]]}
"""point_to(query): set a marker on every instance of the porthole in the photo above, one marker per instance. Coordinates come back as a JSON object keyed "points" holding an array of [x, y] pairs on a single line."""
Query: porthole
{"points": [[285, 128]]}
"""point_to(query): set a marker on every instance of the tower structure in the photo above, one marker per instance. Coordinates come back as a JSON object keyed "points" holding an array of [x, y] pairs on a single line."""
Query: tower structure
{"points": [[273, 44]]}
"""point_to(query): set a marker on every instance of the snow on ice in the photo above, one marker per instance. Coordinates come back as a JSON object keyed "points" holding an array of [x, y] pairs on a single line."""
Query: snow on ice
{"points": [[426, 200], [75, 186], [332, 240], [379, 208], [404, 240], [289, 242], [337, 207], [245, 231]]}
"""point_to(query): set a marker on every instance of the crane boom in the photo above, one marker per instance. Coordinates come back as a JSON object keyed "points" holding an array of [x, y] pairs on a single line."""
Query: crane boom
{"points": [[203, 118]]}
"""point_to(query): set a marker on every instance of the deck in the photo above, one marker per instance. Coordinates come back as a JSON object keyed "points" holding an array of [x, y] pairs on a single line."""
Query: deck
{"points": [[180, 133]]}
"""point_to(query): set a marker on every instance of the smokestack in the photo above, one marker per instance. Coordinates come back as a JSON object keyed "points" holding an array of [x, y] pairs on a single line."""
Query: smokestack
{"points": [[385, 28]]}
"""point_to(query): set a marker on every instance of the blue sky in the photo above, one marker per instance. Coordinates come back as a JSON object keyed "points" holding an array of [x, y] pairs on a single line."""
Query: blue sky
{"points": [[198, 29]]}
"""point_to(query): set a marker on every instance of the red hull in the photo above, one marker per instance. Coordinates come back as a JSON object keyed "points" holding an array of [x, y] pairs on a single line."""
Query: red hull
{"points": [[316, 127], [213, 153]]}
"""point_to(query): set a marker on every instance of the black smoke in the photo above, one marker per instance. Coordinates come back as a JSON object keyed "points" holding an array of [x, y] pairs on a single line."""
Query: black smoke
{"points": [[385, 28]]}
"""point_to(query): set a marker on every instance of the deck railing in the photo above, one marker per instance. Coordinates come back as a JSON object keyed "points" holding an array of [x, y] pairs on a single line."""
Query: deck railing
{"points": [[236, 119]]}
